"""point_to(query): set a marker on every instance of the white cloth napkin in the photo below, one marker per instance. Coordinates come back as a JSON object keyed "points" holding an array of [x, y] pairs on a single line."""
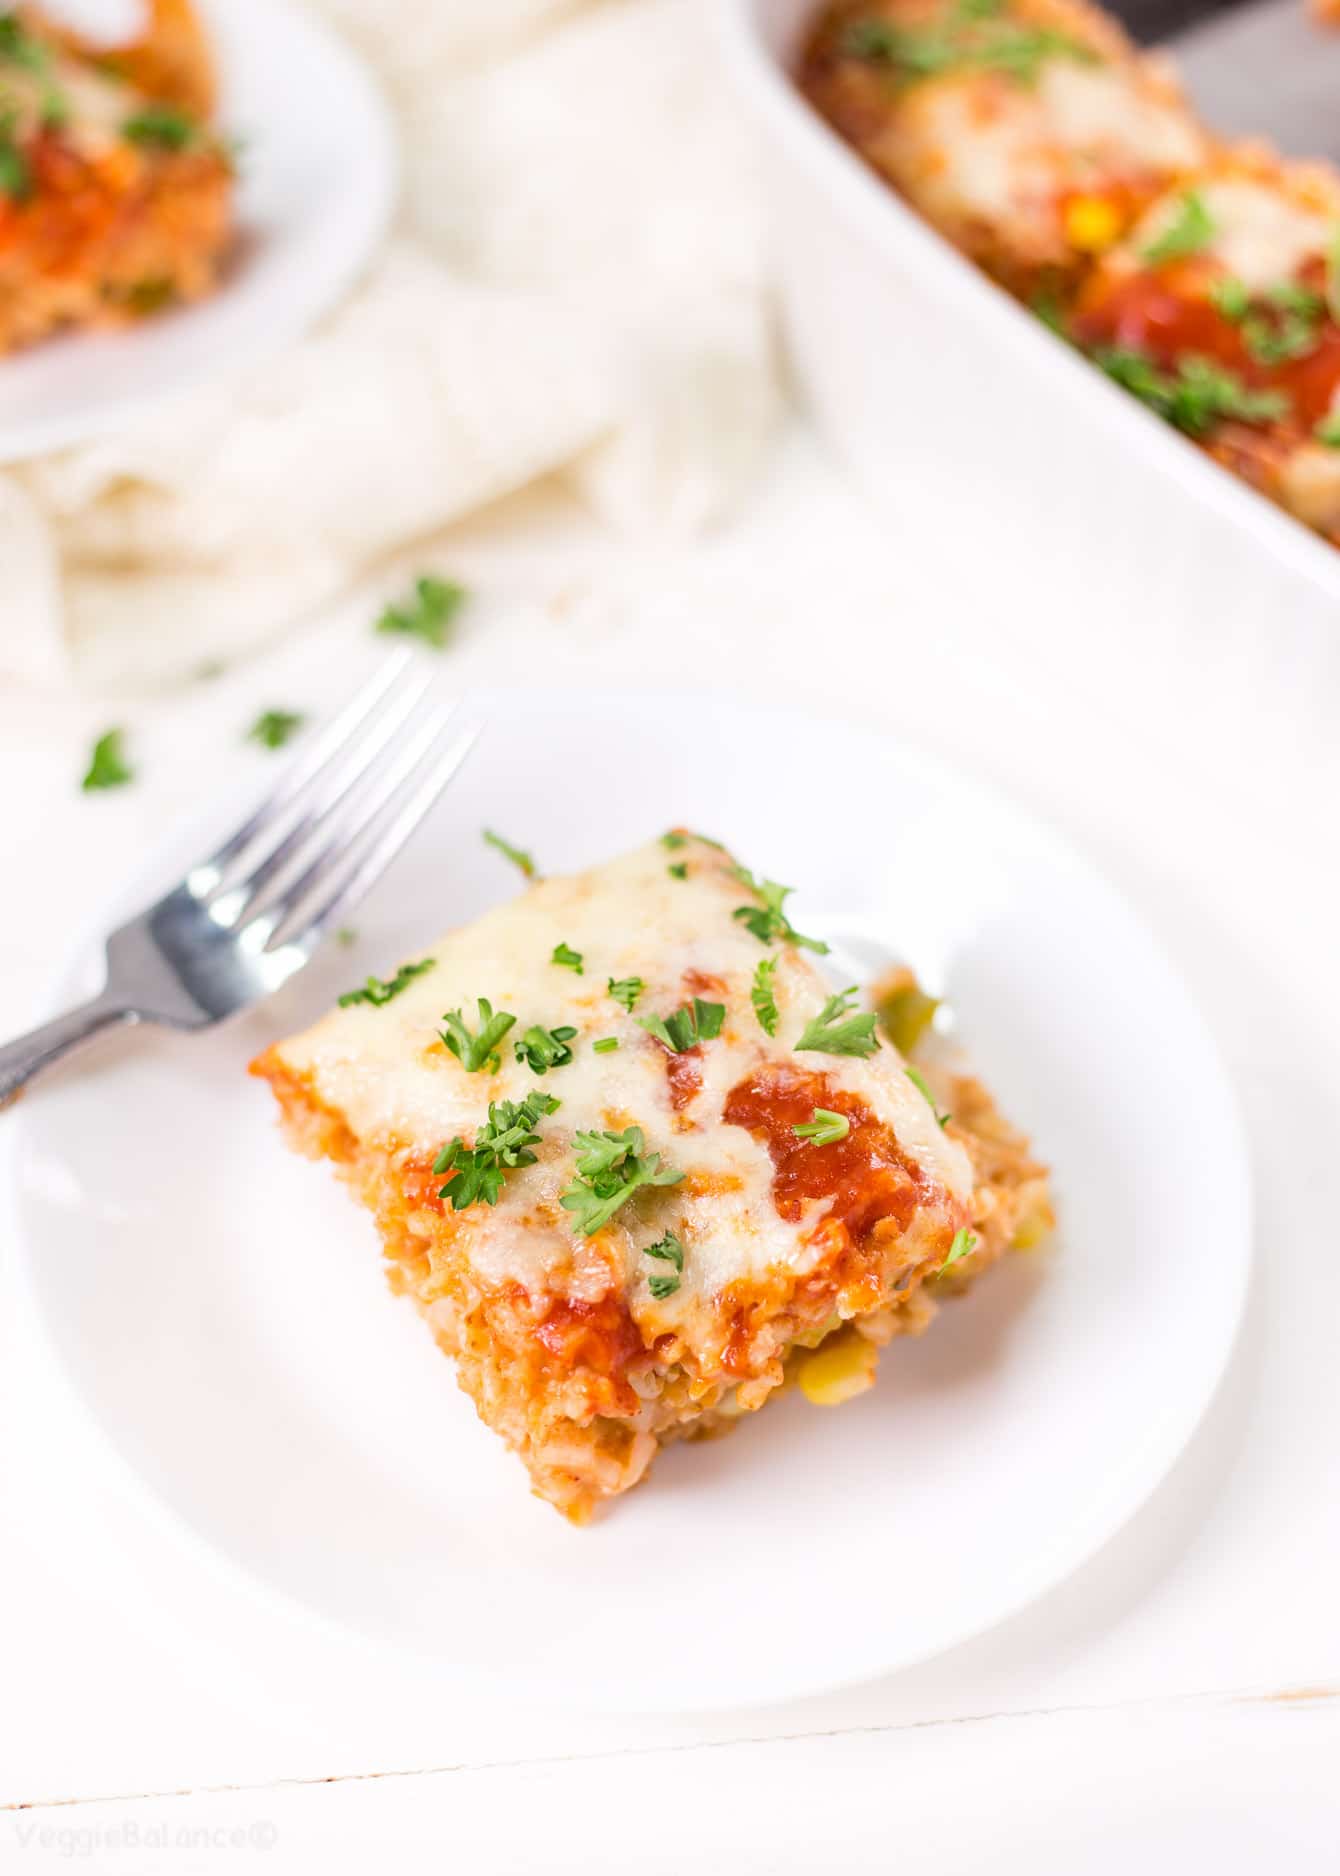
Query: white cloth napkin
{"points": [[574, 285]]}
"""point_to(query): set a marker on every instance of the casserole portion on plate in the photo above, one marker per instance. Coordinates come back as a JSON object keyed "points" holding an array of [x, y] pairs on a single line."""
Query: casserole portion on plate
{"points": [[638, 1165], [115, 194]]}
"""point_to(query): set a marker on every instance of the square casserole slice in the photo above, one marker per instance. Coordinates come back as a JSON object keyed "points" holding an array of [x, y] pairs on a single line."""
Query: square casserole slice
{"points": [[582, 1351]]}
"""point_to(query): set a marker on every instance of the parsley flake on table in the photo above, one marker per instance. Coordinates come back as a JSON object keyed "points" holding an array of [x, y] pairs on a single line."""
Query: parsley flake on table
{"points": [[378, 990], [693, 1023], [626, 990], [1191, 228], [763, 995], [107, 766], [768, 922], [834, 1031], [668, 1250], [504, 1142], [965, 1241], [273, 728], [569, 959], [479, 1050], [611, 1167], [427, 613], [919, 1082], [824, 1129], [517, 855], [544, 1048], [161, 127]]}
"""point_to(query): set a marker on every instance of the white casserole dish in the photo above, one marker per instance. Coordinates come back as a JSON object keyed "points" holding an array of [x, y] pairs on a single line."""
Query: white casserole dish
{"points": [[1121, 560]]}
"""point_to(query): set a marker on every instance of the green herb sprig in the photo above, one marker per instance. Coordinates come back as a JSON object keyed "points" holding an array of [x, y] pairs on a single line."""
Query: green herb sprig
{"points": [[688, 1026], [611, 1167], [544, 1049], [427, 613], [768, 921], [517, 855], [504, 1142], [379, 990], [107, 767], [965, 1242], [273, 728], [824, 1129], [668, 1250], [479, 1049], [763, 995], [836, 1032]]}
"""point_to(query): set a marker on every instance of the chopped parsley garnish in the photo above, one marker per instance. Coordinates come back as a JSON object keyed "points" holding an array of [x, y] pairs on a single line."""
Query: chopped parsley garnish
{"points": [[1196, 396], [569, 959], [973, 38], [108, 767], [479, 1050], [611, 1167], [906, 1013], [1191, 229], [346, 936], [679, 872], [919, 1082], [503, 1142], [1230, 297], [824, 1129], [1328, 431], [1282, 323], [18, 47], [668, 1250], [378, 990], [763, 995], [16, 176], [517, 855], [836, 1032], [1047, 306], [606, 1045], [427, 613], [693, 1023], [626, 990], [964, 1242], [160, 127], [768, 922], [672, 840], [544, 1049], [273, 728]]}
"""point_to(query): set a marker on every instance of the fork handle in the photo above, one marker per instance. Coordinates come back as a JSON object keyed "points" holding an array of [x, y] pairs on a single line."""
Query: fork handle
{"points": [[41, 1048]]}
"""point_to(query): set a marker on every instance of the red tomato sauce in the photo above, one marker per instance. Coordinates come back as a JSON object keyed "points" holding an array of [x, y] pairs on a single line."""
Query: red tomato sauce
{"points": [[1165, 314], [867, 1175]]}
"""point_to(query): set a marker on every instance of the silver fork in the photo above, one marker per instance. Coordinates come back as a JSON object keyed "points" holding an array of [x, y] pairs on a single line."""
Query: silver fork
{"points": [[245, 919]]}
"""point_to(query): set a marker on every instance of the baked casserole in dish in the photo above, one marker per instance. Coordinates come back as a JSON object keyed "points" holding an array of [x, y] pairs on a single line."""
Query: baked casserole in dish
{"points": [[1203, 277]]}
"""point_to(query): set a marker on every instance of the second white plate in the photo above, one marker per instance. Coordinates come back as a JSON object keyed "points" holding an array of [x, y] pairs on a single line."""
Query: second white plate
{"points": [[220, 1306], [316, 189]]}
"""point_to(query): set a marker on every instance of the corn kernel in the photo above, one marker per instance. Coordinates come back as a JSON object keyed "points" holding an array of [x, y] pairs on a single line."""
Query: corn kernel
{"points": [[1092, 223], [843, 1368]]}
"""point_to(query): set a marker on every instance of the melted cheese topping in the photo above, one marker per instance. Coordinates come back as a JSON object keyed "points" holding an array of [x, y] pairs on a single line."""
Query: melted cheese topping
{"points": [[1261, 236], [971, 146], [387, 1073]]}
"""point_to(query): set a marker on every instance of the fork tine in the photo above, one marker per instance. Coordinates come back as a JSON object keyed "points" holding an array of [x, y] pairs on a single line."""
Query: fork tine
{"points": [[340, 837], [305, 769], [391, 838], [331, 788]]}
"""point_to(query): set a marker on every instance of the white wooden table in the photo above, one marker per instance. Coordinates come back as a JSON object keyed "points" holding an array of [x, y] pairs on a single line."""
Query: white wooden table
{"points": [[1179, 1697]]}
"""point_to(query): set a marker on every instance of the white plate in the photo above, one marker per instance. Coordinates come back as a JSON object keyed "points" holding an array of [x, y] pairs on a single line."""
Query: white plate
{"points": [[315, 193], [219, 1303]]}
